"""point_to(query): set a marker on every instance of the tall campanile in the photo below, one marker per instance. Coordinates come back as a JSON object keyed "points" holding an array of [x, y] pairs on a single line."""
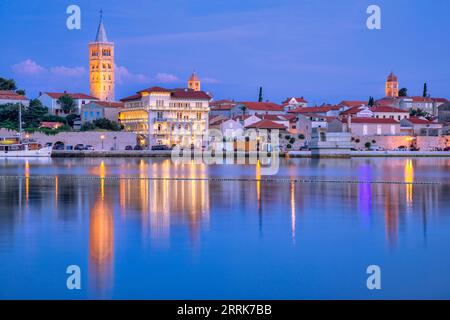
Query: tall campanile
{"points": [[101, 65]]}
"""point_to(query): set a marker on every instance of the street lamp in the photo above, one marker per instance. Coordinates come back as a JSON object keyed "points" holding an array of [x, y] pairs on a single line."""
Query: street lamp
{"points": [[102, 137]]}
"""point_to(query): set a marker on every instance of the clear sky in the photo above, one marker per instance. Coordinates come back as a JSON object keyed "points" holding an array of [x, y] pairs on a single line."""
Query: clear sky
{"points": [[314, 48]]}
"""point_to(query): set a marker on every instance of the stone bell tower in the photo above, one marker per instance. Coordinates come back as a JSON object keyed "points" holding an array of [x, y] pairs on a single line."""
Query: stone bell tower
{"points": [[101, 65]]}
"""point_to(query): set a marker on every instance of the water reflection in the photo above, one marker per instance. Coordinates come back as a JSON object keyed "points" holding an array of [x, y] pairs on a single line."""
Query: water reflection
{"points": [[172, 216]]}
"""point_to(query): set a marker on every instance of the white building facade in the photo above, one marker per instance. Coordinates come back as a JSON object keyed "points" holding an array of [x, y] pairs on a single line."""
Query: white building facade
{"points": [[167, 116]]}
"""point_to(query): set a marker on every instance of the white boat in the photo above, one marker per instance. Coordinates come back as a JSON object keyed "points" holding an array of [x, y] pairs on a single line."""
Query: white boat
{"points": [[14, 147]]}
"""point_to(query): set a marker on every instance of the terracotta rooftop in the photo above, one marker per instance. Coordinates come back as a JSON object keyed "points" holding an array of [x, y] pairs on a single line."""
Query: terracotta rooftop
{"points": [[109, 104], [267, 124], [421, 99], [387, 109], [321, 109], [57, 95], [262, 106], [11, 95], [417, 120], [353, 103]]}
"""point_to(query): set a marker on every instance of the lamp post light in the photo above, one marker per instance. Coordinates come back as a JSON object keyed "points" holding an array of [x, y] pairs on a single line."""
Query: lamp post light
{"points": [[102, 137]]}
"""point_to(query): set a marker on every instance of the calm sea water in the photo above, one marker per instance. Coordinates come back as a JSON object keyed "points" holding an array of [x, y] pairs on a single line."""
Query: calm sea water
{"points": [[208, 239]]}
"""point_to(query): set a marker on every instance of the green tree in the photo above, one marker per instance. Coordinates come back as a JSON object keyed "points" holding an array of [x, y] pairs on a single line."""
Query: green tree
{"points": [[425, 90], [7, 84], [371, 102], [88, 126], [34, 114], [260, 96], [9, 116], [403, 92], [67, 104], [107, 124], [21, 92], [70, 119]]}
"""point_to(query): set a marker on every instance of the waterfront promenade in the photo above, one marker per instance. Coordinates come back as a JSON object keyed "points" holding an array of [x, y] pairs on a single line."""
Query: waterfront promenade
{"points": [[291, 154]]}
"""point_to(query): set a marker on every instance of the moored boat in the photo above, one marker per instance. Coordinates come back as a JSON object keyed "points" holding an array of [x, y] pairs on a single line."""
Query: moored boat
{"points": [[15, 147]]}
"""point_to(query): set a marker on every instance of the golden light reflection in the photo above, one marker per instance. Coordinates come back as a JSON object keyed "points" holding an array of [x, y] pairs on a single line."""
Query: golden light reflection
{"points": [[27, 180], [102, 179], [101, 245], [409, 179], [258, 182]]}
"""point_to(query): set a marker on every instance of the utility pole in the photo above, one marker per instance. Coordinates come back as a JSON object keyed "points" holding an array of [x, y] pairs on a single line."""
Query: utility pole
{"points": [[20, 121]]}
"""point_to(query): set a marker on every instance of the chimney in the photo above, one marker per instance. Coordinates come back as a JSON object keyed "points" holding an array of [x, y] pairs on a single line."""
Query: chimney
{"points": [[349, 122]]}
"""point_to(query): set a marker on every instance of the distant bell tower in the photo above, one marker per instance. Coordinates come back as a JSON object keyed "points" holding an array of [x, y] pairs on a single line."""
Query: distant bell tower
{"points": [[101, 65], [392, 86], [194, 82]]}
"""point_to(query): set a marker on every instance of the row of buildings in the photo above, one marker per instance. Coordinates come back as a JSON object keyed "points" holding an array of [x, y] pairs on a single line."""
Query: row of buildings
{"points": [[164, 116]]}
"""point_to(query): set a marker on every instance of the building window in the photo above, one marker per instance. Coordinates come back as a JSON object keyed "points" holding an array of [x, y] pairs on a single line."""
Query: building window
{"points": [[365, 130]]}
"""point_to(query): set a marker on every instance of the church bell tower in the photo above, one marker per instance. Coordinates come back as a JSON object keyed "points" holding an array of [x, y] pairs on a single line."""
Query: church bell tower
{"points": [[101, 65]]}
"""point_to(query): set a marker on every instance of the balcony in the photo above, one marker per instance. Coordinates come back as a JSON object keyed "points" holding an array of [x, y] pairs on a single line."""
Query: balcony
{"points": [[159, 120]]}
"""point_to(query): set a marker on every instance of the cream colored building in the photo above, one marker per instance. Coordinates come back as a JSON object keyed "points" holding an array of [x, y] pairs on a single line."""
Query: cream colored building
{"points": [[167, 116]]}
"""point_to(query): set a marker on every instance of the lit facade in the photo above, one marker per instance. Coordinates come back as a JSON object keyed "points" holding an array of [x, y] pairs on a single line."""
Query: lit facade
{"points": [[392, 86], [194, 82], [101, 66], [167, 116]]}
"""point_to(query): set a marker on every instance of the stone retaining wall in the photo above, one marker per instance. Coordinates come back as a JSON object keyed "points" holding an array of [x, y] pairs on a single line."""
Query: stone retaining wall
{"points": [[393, 142], [89, 137]]}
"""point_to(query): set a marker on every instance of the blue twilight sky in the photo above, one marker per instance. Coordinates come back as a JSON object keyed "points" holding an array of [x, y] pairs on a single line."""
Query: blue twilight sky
{"points": [[320, 49]]}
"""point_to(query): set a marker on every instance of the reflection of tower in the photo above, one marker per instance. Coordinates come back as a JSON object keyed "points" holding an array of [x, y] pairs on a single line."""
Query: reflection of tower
{"points": [[392, 86], [194, 82], [101, 65], [101, 241]]}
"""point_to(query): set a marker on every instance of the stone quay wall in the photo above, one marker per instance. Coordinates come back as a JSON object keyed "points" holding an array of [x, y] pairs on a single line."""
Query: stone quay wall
{"points": [[87, 137], [392, 142]]}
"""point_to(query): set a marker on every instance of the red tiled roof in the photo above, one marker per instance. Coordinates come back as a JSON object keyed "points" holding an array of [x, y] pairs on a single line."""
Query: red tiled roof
{"points": [[353, 110], [315, 109], [190, 94], [387, 109], [11, 95], [222, 107], [416, 120], [154, 89], [131, 98], [109, 104], [263, 106], [392, 77], [50, 124], [267, 124], [57, 95], [443, 100], [222, 102], [299, 100], [421, 99], [353, 103], [272, 117], [374, 120]]}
